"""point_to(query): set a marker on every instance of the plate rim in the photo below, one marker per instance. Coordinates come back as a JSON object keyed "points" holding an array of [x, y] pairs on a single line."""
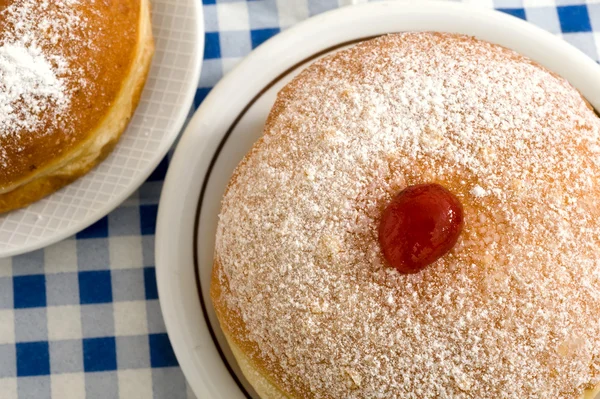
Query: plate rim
{"points": [[170, 203], [141, 177]]}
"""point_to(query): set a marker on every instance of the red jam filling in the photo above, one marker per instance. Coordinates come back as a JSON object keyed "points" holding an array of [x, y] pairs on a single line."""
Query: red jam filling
{"points": [[419, 226]]}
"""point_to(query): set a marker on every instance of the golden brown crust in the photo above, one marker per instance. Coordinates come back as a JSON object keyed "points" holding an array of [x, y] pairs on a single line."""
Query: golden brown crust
{"points": [[236, 333], [60, 157], [257, 378], [46, 185]]}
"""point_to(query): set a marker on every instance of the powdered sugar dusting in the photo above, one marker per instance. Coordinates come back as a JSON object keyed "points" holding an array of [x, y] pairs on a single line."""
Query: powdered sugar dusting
{"points": [[33, 68], [478, 191], [511, 312], [28, 78]]}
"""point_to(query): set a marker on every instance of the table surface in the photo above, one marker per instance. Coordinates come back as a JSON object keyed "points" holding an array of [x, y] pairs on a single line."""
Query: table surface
{"points": [[81, 318]]}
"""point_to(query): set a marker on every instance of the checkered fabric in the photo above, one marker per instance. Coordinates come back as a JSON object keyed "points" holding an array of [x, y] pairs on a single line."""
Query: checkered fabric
{"points": [[81, 318]]}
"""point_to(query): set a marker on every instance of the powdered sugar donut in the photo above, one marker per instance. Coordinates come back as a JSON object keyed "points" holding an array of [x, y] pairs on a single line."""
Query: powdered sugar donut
{"points": [[303, 293], [71, 76]]}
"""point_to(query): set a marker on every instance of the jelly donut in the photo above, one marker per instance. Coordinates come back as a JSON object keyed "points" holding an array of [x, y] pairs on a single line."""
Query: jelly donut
{"points": [[309, 302]]}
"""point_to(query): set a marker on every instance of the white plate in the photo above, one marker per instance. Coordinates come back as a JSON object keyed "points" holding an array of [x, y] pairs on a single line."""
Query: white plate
{"points": [[231, 119], [178, 28]]}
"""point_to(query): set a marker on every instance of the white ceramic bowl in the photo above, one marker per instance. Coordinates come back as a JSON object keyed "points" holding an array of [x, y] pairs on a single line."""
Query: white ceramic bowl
{"points": [[178, 29], [231, 119]]}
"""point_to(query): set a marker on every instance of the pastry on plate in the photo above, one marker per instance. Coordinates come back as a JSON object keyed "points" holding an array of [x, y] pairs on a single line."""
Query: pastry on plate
{"points": [[72, 75], [420, 219]]}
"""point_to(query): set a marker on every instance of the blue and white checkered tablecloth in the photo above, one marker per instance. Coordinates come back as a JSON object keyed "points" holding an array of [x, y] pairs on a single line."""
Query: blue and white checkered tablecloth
{"points": [[81, 318]]}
